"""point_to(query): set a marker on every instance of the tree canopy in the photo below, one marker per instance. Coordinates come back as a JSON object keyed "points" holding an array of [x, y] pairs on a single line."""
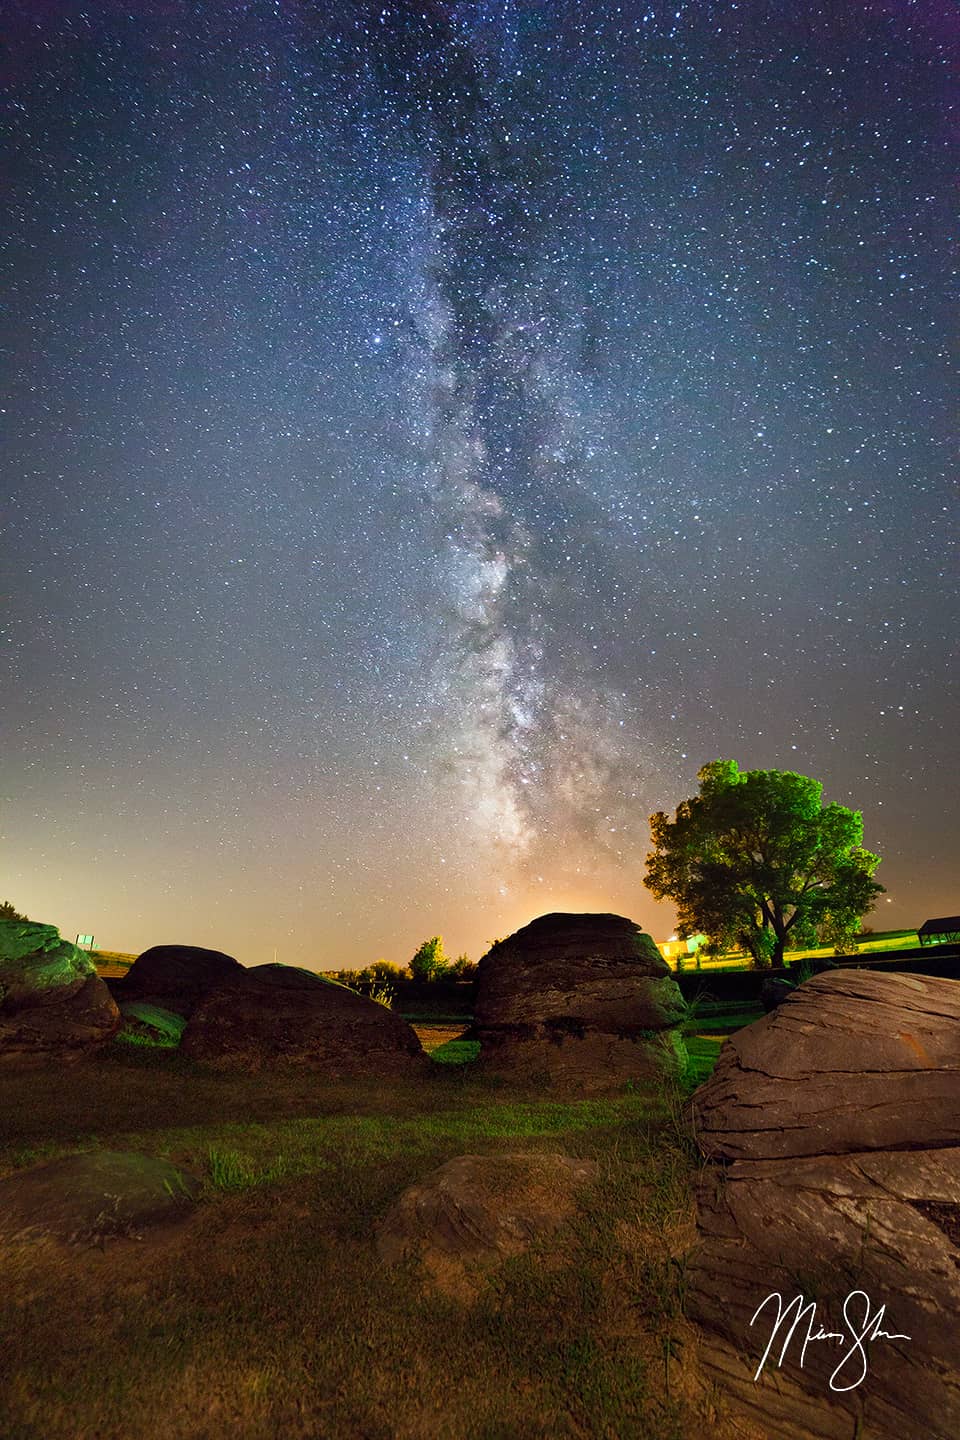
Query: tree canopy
{"points": [[757, 860], [430, 960]]}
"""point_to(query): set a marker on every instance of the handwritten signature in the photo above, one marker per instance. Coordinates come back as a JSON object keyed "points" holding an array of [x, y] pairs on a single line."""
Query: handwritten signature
{"points": [[863, 1325]]}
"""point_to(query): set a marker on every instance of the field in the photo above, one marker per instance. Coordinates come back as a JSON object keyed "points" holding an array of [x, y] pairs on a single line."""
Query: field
{"points": [[268, 1313], [112, 964], [869, 945]]}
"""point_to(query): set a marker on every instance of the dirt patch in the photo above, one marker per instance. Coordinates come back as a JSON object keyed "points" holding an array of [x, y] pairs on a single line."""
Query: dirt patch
{"points": [[431, 1037]]}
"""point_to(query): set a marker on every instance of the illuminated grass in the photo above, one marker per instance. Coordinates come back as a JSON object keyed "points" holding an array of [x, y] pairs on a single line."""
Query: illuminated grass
{"points": [[234, 1170], [456, 1052], [148, 1042], [702, 1052], [269, 1312]]}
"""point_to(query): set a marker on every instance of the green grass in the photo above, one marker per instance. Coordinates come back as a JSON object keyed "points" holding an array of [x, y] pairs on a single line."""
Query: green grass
{"points": [[702, 1052], [148, 1042], [714, 1020], [145, 1024], [456, 1052], [707, 1025], [269, 1312], [233, 1170]]}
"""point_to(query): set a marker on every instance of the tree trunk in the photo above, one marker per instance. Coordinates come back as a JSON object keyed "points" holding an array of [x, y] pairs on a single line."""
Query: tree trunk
{"points": [[780, 928], [755, 947]]}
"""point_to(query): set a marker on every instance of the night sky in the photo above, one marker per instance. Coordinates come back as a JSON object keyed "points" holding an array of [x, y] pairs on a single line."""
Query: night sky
{"points": [[433, 431]]}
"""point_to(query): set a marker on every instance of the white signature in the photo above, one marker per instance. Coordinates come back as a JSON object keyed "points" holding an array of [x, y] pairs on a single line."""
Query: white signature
{"points": [[861, 1329]]}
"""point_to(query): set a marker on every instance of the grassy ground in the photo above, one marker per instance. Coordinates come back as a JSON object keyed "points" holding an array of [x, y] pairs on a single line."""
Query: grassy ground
{"points": [[268, 1313], [112, 963], [872, 945]]}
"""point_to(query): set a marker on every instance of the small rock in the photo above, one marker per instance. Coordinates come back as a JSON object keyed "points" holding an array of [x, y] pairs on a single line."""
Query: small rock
{"points": [[95, 1195], [463, 1219]]}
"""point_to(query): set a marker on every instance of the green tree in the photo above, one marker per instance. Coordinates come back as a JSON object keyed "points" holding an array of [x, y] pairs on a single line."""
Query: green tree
{"points": [[463, 968], [430, 960], [8, 911], [756, 859]]}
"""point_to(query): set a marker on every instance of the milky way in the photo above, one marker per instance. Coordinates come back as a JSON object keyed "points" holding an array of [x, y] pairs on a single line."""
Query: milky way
{"points": [[503, 451], [434, 431]]}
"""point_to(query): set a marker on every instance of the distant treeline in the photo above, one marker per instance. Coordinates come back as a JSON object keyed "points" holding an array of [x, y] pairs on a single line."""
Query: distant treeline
{"points": [[429, 966], [451, 990]]}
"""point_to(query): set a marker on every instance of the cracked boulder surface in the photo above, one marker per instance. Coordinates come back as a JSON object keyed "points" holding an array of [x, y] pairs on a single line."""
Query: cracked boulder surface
{"points": [[832, 1132], [585, 1002], [53, 1004], [853, 1060]]}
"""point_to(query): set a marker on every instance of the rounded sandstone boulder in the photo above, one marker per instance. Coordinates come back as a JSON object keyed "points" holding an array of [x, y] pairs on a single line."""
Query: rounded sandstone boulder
{"points": [[53, 1005], [880, 1226], [177, 977], [850, 1060], [585, 1000], [278, 1017], [832, 1133]]}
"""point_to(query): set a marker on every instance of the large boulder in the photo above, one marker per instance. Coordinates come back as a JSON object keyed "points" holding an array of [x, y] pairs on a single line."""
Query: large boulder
{"points": [[885, 1224], [53, 1005], [466, 1217], [276, 1017], [832, 1131], [95, 1195], [177, 977], [783, 1085], [586, 1001]]}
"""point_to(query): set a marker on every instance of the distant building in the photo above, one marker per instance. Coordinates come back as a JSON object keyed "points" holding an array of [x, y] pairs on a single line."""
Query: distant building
{"points": [[945, 931], [673, 948]]}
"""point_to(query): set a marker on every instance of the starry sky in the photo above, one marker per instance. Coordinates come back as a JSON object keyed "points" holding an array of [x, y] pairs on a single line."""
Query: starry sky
{"points": [[433, 431]]}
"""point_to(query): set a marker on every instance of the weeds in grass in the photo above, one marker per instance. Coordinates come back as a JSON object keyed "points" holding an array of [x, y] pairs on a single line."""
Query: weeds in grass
{"points": [[691, 1011], [177, 1188], [669, 1344], [230, 1170]]}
